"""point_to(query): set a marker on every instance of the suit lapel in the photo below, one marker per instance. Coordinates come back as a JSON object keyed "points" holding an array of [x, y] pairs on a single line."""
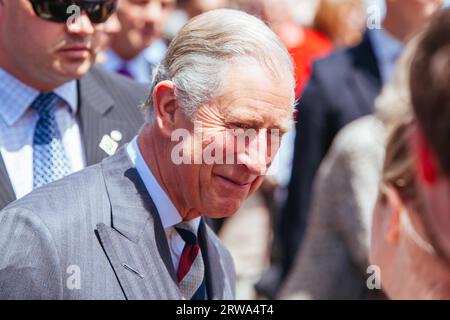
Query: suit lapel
{"points": [[135, 244], [6, 191], [95, 104]]}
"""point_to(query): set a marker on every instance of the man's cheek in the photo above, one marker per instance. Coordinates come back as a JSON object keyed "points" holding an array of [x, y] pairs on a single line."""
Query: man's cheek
{"points": [[214, 148]]}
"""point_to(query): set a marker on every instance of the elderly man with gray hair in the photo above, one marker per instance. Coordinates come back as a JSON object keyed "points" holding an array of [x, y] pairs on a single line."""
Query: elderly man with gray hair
{"points": [[132, 226]]}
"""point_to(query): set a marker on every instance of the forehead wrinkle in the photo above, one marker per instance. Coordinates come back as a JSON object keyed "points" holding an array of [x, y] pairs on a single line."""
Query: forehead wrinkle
{"points": [[256, 94], [253, 105], [243, 115]]}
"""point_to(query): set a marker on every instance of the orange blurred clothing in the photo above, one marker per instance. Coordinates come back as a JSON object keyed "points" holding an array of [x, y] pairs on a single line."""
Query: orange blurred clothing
{"points": [[314, 45]]}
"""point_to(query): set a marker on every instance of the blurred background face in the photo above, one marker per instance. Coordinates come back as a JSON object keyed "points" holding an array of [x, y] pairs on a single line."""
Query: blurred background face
{"points": [[105, 32], [412, 14], [142, 22], [400, 246], [343, 21], [196, 7], [250, 100], [351, 19], [40, 53]]}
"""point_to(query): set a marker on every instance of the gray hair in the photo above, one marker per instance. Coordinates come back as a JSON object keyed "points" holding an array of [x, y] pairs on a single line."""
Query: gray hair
{"points": [[196, 57]]}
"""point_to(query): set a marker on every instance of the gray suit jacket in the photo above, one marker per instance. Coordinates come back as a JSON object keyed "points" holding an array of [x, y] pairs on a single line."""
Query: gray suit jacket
{"points": [[96, 234], [107, 102]]}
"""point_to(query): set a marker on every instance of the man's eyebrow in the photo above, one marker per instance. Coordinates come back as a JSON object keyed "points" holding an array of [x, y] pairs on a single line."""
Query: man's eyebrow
{"points": [[244, 117]]}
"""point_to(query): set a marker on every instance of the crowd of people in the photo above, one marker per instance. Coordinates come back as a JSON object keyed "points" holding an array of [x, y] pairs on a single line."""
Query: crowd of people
{"points": [[356, 116]]}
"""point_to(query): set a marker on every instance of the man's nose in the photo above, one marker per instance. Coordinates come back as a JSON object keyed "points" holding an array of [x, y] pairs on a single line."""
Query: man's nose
{"points": [[81, 25], [255, 156]]}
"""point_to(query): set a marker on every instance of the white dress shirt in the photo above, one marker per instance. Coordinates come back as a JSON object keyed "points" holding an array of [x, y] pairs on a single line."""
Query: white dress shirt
{"points": [[168, 214], [17, 124], [140, 67], [387, 50]]}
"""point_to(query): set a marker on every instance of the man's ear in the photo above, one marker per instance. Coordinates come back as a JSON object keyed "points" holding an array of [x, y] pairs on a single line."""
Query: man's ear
{"points": [[426, 164], [165, 107], [395, 207]]}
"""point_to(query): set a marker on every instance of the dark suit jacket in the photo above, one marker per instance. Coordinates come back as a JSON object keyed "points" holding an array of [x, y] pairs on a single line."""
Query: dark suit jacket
{"points": [[97, 234], [342, 88], [107, 102]]}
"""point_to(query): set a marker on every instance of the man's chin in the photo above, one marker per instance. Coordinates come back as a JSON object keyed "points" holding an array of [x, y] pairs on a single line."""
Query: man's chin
{"points": [[74, 69]]}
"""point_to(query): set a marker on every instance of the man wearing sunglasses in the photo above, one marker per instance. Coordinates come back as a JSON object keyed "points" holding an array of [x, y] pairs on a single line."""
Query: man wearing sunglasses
{"points": [[56, 114]]}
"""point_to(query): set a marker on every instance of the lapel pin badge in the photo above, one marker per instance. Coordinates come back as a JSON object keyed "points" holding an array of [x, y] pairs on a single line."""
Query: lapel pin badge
{"points": [[110, 143], [116, 135]]}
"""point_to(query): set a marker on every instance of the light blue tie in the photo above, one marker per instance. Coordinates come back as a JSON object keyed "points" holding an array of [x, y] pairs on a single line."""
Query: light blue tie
{"points": [[50, 162]]}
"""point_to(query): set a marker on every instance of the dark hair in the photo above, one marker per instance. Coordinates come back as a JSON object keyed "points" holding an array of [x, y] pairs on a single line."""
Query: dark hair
{"points": [[430, 86]]}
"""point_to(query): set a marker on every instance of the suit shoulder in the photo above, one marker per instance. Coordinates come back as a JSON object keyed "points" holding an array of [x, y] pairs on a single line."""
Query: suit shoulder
{"points": [[64, 202], [328, 76], [361, 135], [337, 61]]}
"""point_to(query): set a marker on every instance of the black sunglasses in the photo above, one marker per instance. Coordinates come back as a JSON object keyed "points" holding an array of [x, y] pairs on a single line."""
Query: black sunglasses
{"points": [[98, 11]]}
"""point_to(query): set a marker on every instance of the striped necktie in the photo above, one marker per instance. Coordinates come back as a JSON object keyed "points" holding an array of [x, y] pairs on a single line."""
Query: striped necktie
{"points": [[50, 162], [191, 269]]}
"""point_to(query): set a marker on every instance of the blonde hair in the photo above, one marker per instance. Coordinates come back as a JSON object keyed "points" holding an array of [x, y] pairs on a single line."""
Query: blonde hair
{"points": [[330, 19]]}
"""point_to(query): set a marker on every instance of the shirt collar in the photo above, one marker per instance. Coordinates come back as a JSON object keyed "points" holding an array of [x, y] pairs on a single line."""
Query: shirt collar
{"points": [[138, 67], [16, 97], [113, 61], [169, 215], [386, 47], [69, 93], [153, 55]]}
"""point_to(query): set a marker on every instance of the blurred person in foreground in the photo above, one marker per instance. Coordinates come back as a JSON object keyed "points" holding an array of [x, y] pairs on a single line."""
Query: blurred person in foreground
{"points": [[57, 113], [430, 90], [342, 88], [333, 260], [139, 45], [409, 266], [132, 226]]}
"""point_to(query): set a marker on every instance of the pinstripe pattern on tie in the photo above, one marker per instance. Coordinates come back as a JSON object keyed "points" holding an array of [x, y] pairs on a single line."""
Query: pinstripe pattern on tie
{"points": [[50, 162], [191, 269]]}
